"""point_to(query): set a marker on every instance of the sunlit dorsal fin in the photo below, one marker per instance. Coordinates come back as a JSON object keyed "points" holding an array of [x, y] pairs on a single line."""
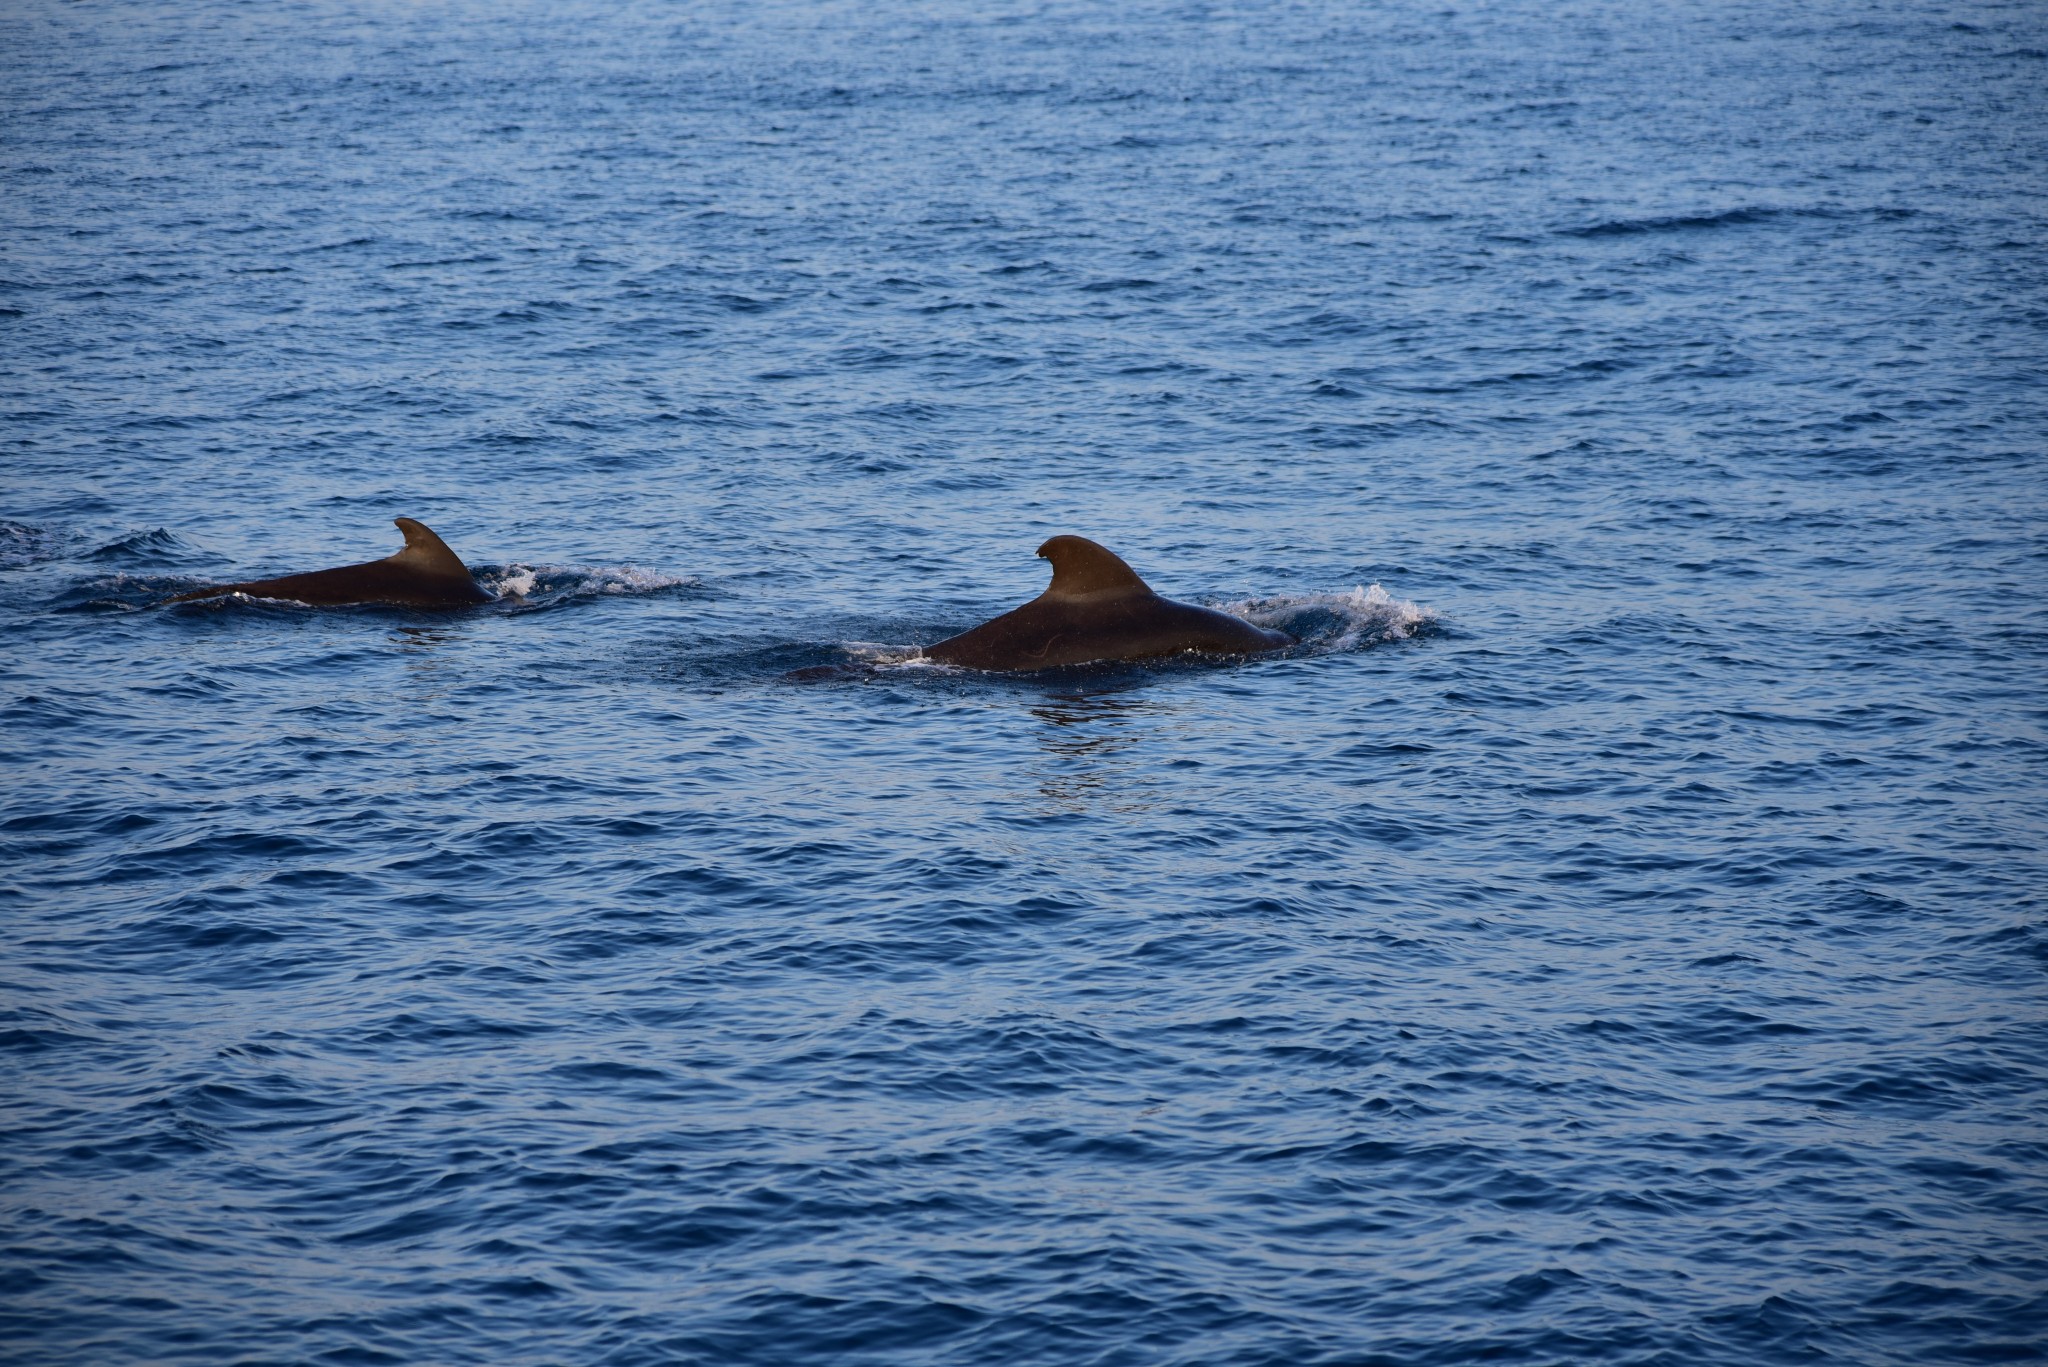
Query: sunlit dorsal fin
{"points": [[1079, 567], [426, 553]]}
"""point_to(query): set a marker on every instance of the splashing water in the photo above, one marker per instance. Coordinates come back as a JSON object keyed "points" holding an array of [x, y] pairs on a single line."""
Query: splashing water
{"points": [[545, 586], [1331, 623]]}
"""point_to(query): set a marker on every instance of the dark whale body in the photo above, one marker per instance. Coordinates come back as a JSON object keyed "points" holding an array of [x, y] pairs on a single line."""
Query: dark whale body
{"points": [[1097, 609], [426, 574]]}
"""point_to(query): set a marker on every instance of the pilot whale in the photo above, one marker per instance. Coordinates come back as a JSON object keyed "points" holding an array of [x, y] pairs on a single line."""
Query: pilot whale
{"points": [[1097, 608], [426, 574]]}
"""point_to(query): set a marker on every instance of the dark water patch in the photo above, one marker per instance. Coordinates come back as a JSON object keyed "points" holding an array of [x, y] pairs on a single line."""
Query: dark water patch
{"points": [[1727, 218]]}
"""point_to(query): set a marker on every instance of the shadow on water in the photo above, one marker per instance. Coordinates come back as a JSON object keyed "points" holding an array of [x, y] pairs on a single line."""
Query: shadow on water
{"points": [[431, 661], [1090, 751], [423, 640]]}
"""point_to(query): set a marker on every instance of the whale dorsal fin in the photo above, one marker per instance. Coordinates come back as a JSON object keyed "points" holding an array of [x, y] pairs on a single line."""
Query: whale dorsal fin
{"points": [[1080, 568], [426, 553]]}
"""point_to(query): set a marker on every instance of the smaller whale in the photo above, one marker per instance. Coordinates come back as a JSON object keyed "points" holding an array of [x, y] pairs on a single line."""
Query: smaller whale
{"points": [[426, 574], [1098, 609]]}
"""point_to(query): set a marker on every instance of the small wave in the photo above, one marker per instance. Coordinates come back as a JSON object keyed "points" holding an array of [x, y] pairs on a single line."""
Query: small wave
{"points": [[23, 544], [1673, 223], [1727, 218], [1328, 623], [120, 592], [156, 548], [821, 662]]}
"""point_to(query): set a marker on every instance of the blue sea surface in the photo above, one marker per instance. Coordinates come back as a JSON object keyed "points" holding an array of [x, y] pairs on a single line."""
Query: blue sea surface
{"points": [[1614, 934]]}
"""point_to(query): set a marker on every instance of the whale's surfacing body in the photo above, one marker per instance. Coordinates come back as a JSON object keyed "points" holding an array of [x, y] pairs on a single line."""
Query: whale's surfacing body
{"points": [[426, 574], [1097, 609]]}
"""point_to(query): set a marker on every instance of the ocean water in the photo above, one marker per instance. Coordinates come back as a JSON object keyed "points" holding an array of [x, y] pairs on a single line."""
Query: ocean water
{"points": [[1614, 935]]}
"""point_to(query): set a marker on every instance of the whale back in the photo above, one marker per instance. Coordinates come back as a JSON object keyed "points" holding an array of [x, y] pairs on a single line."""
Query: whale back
{"points": [[1098, 609], [424, 574], [1082, 569]]}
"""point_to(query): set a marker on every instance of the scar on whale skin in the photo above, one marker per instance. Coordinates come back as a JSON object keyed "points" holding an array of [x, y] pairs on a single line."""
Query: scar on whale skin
{"points": [[1098, 609], [426, 574]]}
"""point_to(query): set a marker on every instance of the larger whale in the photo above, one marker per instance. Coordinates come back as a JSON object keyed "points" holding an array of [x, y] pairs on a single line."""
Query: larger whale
{"points": [[1098, 609], [426, 574]]}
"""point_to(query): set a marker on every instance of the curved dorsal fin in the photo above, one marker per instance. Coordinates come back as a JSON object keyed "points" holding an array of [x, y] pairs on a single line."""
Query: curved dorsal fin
{"points": [[1081, 567], [426, 553]]}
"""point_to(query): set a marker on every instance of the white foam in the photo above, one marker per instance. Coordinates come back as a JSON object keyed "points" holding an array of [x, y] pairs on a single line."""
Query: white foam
{"points": [[879, 656], [631, 579], [518, 582], [563, 581], [1362, 617]]}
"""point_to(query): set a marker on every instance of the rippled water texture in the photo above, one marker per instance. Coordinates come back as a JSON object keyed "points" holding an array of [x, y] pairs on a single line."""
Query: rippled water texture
{"points": [[1614, 935]]}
